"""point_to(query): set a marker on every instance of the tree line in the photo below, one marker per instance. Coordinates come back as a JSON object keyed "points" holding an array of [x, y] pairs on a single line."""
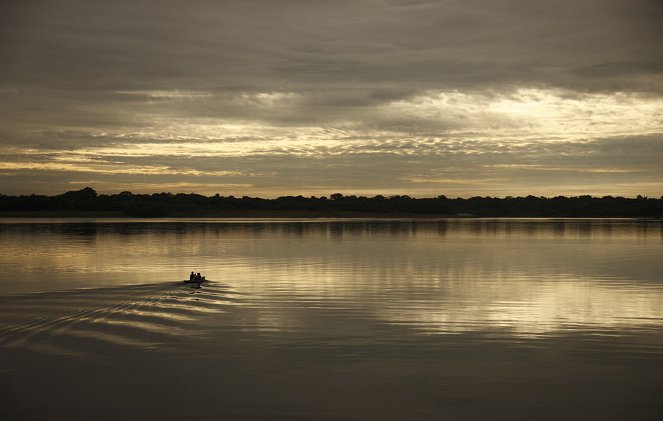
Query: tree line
{"points": [[87, 202]]}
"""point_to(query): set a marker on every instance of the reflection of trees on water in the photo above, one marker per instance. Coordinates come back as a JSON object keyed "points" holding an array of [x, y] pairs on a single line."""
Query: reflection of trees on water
{"points": [[344, 228]]}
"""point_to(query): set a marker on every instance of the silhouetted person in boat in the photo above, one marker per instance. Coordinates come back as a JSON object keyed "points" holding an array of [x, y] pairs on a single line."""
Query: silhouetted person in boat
{"points": [[198, 278], [192, 276]]}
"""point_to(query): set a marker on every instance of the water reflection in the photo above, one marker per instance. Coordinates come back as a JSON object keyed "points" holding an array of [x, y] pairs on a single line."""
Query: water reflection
{"points": [[401, 319], [525, 278]]}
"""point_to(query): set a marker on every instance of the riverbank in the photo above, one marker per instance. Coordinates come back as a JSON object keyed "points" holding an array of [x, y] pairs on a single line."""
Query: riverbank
{"points": [[86, 202], [227, 214]]}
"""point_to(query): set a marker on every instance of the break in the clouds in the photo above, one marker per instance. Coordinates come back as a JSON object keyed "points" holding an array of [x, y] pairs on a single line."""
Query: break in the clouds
{"points": [[491, 97]]}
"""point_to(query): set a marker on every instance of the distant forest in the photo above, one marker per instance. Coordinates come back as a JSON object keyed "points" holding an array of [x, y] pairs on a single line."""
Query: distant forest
{"points": [[87, 202]]}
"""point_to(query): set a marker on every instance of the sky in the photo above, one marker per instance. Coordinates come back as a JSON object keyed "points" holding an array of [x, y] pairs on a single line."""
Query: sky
{"points": [[312, 97]]}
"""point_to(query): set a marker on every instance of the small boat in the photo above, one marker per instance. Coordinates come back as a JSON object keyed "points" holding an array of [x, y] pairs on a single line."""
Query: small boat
{"points": [[195, 281]]}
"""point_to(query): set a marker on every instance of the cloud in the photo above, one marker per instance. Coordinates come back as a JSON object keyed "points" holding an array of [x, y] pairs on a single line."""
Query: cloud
{"points": [[263, 46], [408, 96]]}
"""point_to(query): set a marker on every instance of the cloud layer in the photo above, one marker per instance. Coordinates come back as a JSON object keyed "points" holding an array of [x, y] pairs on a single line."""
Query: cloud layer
{"points": [[312, 97]]}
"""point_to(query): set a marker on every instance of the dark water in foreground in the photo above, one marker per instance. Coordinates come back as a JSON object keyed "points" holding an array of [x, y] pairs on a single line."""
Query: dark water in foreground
{"points": [[332, 319]]}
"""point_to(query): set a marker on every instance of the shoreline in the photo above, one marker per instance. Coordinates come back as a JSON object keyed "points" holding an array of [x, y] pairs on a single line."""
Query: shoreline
{"points": [[300, 215], [245, 214]]}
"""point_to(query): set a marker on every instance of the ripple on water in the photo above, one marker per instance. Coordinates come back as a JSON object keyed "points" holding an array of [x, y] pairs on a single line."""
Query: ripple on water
{"points": [[86, 323]]}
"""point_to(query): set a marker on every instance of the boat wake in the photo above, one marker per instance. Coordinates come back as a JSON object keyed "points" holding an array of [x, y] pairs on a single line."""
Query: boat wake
{"points": [[84, 323]]}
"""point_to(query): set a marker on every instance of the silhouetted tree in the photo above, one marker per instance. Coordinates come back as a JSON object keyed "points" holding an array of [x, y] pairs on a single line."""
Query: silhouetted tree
{"points": [[182, 204]]}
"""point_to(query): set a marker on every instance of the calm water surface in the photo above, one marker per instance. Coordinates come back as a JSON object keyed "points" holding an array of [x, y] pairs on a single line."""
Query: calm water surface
{"points": [[381, 319]]}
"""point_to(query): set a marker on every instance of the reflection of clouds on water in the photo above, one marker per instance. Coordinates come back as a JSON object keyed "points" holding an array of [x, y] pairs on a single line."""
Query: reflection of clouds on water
{"points": [[523, 277], [525, 280], [531, 308], [468, 301]]}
